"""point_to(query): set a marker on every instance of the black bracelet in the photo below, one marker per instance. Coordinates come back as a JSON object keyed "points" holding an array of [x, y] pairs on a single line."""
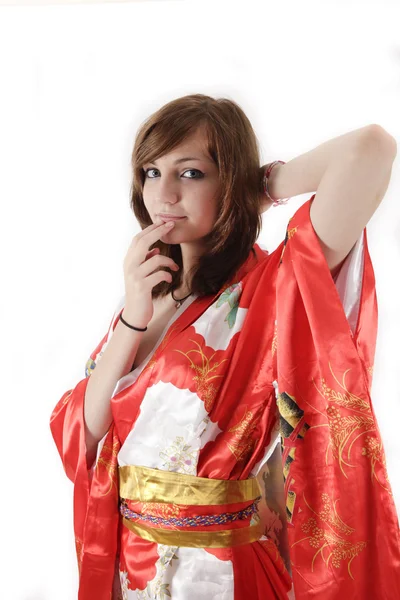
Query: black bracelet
{"points": [[131, 326]]}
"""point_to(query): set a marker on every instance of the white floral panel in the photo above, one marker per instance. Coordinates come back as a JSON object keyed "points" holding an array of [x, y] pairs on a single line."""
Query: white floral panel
{"points": [[183, 574], [167, 432]]}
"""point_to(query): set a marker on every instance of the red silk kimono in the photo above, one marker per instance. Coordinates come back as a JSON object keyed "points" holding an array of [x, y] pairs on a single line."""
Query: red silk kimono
{"points": [[291, 354]]}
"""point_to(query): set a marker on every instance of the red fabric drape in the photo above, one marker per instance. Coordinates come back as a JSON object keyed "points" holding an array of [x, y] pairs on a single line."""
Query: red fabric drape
{"points": [[342, 525]]}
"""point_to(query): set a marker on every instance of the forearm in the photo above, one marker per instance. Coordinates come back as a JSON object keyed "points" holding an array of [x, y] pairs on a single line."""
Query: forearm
{"points": [[302, 174], [116, 362]]}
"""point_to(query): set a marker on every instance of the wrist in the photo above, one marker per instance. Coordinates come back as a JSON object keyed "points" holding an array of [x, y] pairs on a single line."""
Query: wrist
{"points": [[273, 187], [133, 320]]}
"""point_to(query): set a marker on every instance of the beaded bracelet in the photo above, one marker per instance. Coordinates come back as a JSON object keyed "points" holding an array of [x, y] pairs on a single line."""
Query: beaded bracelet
{"points": [[270, 166]]}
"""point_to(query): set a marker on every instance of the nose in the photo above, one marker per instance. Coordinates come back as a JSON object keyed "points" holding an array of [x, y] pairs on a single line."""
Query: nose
{"points": [[168, 189]]}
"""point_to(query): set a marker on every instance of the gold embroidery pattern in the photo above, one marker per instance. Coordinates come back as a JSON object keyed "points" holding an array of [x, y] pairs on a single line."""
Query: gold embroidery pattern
{"points": [[342, 429], [156, 509], [205, 389], [289, 234], [374, 451], [329, 515], [108, 460], [322, 538], [79, 550], [160, 509], [345, 429], [241, 443], [275, 339], [348, 400]]}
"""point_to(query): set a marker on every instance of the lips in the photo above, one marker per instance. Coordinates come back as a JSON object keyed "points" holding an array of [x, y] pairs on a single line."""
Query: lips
{"points": [[170, 218]]}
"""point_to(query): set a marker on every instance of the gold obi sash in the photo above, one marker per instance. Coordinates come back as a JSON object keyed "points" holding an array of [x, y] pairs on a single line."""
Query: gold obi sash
{"points": [[186, 510]]}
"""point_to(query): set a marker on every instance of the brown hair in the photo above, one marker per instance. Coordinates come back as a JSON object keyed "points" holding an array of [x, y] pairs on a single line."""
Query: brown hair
{"points": [[233, 146]]}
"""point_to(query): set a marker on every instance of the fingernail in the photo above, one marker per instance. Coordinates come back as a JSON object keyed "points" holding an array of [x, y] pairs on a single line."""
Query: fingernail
{"points": [[170, 223]]}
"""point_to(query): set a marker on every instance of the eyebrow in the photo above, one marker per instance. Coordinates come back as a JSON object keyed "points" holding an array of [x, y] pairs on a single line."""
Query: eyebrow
{"points": [[181, 160]]}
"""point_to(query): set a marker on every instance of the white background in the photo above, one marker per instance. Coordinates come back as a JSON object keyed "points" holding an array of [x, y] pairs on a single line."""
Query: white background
{"points": [[76, 82]]}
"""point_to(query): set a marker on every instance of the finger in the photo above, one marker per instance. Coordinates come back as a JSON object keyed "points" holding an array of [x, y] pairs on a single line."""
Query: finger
{"points": [[150, 228], [153, 234], [153, 252]]}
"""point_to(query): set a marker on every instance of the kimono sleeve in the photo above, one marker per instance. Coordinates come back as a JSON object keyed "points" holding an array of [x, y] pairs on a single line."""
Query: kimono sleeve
{"points": [[67, 422], [96, 493], [342, 526]]}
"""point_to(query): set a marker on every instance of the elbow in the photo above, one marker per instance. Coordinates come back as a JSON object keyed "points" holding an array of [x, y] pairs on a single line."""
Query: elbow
{"points": [[374, 137]]}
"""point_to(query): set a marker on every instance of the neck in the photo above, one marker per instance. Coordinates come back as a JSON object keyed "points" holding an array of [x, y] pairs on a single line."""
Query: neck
{"points": [[182, 292]]}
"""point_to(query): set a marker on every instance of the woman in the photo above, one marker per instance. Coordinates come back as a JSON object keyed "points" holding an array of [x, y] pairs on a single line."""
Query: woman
{"points": [[225, 445]]}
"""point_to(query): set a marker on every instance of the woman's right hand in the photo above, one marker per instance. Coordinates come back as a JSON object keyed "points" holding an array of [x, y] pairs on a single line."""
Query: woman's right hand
{"points": [[139, 267]]}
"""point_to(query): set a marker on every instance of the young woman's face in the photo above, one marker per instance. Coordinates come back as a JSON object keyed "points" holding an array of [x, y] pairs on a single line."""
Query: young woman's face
{"points": [[188, 188]]}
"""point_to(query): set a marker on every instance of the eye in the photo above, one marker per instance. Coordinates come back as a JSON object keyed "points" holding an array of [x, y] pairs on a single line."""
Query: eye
{"points": [[200, 174]]}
